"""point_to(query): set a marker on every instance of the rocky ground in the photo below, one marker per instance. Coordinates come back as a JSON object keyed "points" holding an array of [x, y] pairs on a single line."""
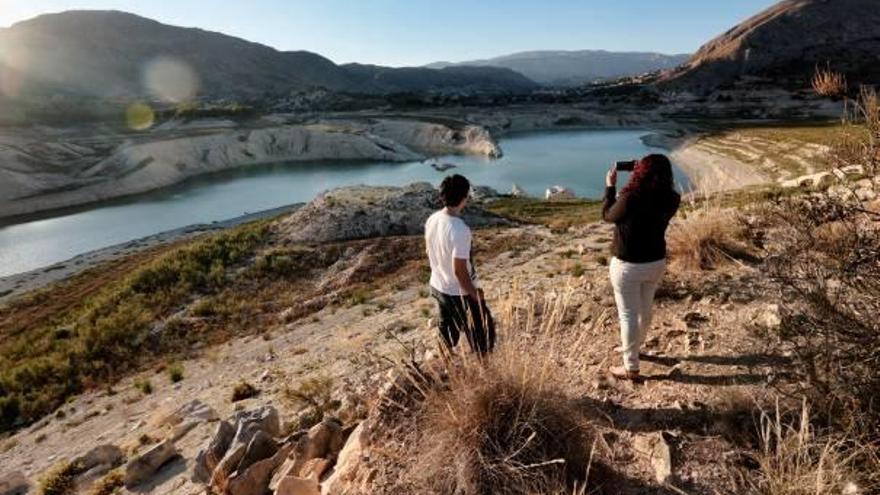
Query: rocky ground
{"points": [[708, 351]]}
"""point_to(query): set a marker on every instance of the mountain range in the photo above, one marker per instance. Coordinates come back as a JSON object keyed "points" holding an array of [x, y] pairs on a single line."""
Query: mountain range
{"points": [[109, 54], [574, 68]]}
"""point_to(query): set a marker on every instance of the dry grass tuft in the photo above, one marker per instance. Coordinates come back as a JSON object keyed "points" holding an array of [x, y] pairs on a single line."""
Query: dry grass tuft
{"points": [[110, 484], [244, 390], [59, 479], [707, 238], [827, 82], [795, 460], [506, 424]]}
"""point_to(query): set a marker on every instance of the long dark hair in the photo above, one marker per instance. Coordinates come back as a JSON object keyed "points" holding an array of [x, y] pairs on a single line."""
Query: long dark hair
{"points": [[651, 177]]}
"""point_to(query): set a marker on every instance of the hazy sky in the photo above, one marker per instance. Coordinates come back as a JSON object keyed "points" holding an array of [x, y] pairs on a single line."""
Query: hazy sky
{"points": [[416, 32]]}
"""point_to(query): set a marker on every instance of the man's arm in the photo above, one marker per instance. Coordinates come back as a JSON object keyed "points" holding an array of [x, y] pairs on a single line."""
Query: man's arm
{"points": [[464, 278]]}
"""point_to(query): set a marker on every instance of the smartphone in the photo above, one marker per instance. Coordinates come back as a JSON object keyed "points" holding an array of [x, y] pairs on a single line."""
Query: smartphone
{"points": [[626, 166]]}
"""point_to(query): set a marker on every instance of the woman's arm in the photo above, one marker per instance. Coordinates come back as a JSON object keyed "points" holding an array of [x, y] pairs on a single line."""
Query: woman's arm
{"points": [[613, 209]]}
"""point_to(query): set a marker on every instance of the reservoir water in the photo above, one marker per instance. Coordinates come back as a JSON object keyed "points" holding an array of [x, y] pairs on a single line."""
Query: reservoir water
{"points": [[535, 161]]}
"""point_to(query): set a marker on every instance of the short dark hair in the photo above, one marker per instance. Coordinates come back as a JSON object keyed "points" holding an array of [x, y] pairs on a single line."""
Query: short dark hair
{"points": [[454, 189]]}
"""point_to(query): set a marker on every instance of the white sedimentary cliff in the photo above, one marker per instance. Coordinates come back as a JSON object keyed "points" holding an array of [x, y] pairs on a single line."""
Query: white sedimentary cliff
{"points": [[36, 177]]}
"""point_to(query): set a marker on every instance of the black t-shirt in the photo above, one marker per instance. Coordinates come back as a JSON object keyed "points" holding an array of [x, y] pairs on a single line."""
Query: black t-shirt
{"points": [[641, 221]]}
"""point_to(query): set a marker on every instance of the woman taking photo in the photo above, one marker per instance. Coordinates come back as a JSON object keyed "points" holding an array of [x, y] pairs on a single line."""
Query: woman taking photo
{"points": [[641, 214]]}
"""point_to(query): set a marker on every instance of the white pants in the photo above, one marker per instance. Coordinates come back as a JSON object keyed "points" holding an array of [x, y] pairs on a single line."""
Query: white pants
{"points": [[634, 287]]}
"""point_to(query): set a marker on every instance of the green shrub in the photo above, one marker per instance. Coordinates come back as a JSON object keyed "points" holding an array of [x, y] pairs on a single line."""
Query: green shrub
{"points": [[175, 372], [577, 270], [106, 334], [144, 386]]}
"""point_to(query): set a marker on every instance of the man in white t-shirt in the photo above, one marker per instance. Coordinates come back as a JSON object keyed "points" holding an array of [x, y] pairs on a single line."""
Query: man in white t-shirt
{"points": [[453, 279]]}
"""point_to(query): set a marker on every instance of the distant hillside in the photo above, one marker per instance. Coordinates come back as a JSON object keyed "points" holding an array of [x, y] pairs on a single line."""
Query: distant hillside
{"points": [[108, 53], [407, 79], [786, 42], [572, 68]]}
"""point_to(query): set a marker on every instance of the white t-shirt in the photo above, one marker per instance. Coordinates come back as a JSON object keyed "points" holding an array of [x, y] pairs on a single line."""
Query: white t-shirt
{"points": [[447, 237]]}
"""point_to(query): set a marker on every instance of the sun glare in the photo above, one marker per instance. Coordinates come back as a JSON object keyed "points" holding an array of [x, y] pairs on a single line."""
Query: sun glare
{"points": [[171, 80], [139, 116]]}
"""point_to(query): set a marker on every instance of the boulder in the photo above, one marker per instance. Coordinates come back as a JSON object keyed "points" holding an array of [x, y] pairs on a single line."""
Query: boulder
{"points": [[109, 455], [193, 411], [482, 193], [208, 458], [347, 463], [291, 485], [145, 465], [315, 468], [263, 420], [658, 450], [363, 212], [254, 479], [323, 440], [14, 483], [558, 192], [260, 447]]}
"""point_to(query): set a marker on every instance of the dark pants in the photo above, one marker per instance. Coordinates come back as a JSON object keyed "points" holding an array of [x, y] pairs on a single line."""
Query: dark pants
{"points": [[461, 314]]}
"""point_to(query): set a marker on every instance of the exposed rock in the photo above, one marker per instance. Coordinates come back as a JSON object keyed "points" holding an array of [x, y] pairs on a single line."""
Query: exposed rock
{"points": [[14, 483], [208, 458], [482, 193], [769, 317], [518, 192], [254, 480], [265, 419], [348, 463], [292, 485], [323, 440], [140, 468], [657, 449], [558, 192], [259, 424], [107, 454], [362, 212], [193, 410], [315, 468], [260, 447]]}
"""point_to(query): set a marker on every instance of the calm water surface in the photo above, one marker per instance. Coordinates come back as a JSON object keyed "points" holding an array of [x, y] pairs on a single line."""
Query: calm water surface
{"points": [[535, 161]]}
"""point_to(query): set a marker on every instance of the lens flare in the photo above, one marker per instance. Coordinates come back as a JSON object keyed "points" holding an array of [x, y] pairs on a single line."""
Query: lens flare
{"points": [[139, 116], [171, 80]]}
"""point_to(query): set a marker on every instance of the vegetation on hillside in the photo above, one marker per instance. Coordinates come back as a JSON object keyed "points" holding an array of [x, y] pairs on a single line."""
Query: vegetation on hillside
{"points": [[46, 360], [557, 214]]}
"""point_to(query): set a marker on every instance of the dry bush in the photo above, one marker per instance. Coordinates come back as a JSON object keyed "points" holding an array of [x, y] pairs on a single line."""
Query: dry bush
{"points": [[505, 425], [706, 238], [827, 266], [796, 460], [827, 82]]}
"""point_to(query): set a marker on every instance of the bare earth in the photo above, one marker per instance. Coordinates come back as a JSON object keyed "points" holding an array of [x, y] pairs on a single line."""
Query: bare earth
{"points": [[706, 358]]}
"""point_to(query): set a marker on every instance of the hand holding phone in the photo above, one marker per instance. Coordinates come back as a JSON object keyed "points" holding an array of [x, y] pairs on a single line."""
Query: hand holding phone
{"points": [[625, 166]]}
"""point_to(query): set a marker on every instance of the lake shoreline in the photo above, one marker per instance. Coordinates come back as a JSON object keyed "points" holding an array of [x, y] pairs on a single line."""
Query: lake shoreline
{"points": [[12, 286], [16, 284]]}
